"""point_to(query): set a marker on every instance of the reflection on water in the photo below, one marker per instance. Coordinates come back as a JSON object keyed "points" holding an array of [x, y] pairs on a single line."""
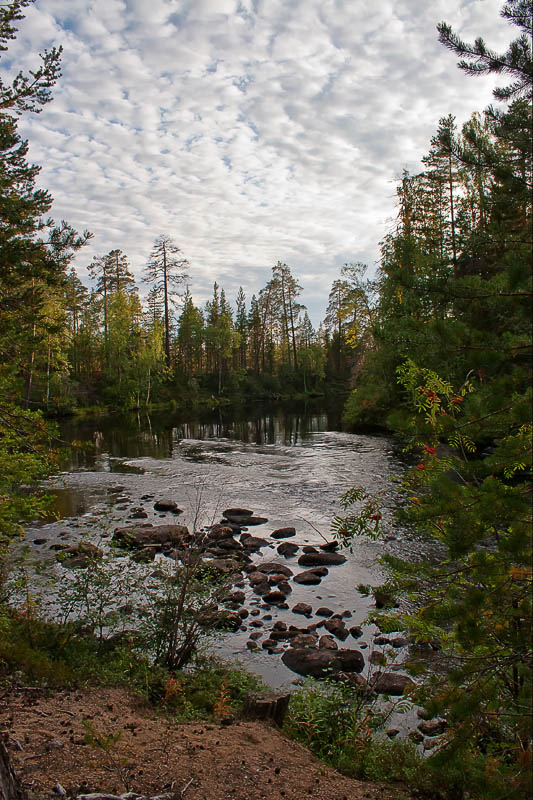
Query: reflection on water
{"points": [[103, 445]]}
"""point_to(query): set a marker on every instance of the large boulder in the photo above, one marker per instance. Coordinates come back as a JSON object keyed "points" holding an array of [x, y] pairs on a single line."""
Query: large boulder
{"points": [[322, 663], [321, 559]]}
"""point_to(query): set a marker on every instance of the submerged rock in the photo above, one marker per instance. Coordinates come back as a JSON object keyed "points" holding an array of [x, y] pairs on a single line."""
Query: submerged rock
{"points": [[79, 556]]}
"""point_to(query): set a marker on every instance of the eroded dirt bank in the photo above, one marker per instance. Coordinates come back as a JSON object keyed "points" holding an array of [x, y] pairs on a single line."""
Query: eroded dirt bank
{"points": [[154, 755]]}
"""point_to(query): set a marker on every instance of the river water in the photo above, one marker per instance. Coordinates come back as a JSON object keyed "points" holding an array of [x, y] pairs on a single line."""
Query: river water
{"points": [[290, 467]]}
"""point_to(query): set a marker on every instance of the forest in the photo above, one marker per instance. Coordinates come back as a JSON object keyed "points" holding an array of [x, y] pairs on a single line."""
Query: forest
{"points": [[435, 348]]}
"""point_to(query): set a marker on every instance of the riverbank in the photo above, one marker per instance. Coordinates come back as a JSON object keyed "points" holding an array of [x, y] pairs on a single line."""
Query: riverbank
{"points": [[137, 749]]}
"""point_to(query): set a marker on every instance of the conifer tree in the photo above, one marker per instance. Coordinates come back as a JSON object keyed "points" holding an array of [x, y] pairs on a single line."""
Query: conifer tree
{"points": [[241, 326], [33, 258], [166, 272]]}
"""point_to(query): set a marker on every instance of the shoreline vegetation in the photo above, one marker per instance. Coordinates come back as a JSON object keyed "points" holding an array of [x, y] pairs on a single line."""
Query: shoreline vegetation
{"points": [[437, 348]]}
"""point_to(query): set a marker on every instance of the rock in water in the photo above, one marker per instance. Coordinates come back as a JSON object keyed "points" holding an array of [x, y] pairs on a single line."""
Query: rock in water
{"points": [[302, 608], [329, 547], [392, 683], [167, 505], [134, 536], [239, 519], [287, 549], [321, 559], [283, 533], [321, 663], [274, 567], [237, 512], [310, 577]]}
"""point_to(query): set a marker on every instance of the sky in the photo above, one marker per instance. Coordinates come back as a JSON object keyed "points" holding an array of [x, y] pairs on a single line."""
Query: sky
{"points": [[250, 131]]}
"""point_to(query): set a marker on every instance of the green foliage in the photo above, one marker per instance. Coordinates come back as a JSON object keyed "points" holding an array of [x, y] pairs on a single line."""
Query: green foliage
{"points": [[453, 362], [25, 458], [339, 725], [366, 522], [474, 602]]}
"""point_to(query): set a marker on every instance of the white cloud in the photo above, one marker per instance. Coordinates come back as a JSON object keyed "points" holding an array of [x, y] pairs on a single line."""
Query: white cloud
{"points": [[249, 130]]}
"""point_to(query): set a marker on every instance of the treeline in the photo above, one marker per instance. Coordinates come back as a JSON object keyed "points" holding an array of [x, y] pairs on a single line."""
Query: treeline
{"points": [[105, 346]]}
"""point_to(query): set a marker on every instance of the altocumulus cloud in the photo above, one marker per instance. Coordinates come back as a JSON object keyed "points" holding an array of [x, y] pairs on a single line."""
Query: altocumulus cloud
{"points": [[251, 131]]}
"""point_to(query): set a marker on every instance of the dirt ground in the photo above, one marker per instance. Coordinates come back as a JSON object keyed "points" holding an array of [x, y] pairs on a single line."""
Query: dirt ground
{"points": [[154, 755]]}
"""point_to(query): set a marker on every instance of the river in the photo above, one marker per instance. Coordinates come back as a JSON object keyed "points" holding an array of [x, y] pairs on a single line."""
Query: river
{"points": [[290, 467]]}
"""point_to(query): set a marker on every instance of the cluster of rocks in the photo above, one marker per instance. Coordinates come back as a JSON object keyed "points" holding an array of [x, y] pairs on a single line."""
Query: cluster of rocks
{"points": [[228, 548]]}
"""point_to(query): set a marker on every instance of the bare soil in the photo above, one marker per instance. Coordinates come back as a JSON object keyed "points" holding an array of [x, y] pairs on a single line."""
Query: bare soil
{"points": [[154, 754]]}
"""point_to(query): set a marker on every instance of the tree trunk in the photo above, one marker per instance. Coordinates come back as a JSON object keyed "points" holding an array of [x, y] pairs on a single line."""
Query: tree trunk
{"points": [[10, 785], [167, 315], [267, 706]]}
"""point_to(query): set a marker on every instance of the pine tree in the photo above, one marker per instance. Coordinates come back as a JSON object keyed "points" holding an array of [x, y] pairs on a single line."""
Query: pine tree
{"points": [[516, 62], [166, 273], [33, 258]]}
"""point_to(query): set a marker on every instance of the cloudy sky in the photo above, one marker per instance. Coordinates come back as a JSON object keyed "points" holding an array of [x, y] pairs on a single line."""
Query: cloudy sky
{"points": [[250, 131]]}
